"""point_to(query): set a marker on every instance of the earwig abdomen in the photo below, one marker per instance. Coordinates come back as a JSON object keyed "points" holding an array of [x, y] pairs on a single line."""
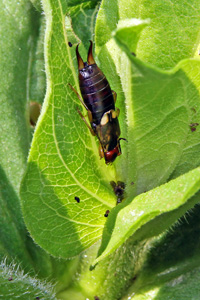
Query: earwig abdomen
{"points": [[96, 92]]}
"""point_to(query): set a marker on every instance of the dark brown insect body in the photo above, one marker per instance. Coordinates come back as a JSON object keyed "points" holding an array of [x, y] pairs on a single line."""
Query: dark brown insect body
{"points": [[119, 190], [99, 100]]}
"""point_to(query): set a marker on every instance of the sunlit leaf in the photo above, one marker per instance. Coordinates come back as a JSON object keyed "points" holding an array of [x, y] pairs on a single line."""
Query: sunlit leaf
{"points": [[64, 161], [162, 202], [172, 35], [83, 18]]}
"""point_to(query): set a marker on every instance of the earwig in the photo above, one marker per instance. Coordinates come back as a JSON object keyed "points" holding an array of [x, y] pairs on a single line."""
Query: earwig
{"points": [[99, 101]]}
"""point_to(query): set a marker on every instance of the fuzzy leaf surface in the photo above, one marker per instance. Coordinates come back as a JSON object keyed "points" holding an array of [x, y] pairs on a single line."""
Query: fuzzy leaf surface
{"points": [[145, 167], [83, 18], [172, 35], [15, 31], [14, 284], [64, 161], [184, 286], [170, 257], [146, 207]]}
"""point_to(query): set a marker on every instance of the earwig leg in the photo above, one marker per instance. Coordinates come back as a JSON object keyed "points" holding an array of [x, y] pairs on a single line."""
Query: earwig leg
{"points": [[83, 118], [114, 96], [77, 94], [101, 152], [90, 116], [89, 112], [117, 110]]}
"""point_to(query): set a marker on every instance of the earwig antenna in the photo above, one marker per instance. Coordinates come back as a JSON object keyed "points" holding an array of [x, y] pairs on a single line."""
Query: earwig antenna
{"points": [[123, 139]]}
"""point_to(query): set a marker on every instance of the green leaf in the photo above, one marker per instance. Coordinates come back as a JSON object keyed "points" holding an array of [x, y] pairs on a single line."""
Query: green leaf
{"points": [[190, 157], [37, 4], [173, 33], [147, 164], [172, 198], [130, 27], [36, 77], [154, 147], [158, 118], [13, 68], [156, 111], [185, 286], [106, 23], [15, 31], [17, 48], [64, 161], [83, 17], [14, 284], [169, 256]]}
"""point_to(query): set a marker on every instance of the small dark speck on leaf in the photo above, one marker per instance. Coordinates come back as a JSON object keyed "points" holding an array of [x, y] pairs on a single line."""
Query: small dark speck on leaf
{"points": [[193, 126], [77, 199], [37, 298], [194, 110], [96, 298], [10, 279], [132, 183], [107, 213], [133, 53], [70, 44]]}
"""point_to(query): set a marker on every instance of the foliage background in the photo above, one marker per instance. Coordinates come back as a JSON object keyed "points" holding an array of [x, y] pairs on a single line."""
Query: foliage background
{"points": [[158, 97]]}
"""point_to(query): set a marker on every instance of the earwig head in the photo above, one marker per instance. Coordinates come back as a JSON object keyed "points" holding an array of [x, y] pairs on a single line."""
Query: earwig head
{"points": [[111, 155], [90, 59]]}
